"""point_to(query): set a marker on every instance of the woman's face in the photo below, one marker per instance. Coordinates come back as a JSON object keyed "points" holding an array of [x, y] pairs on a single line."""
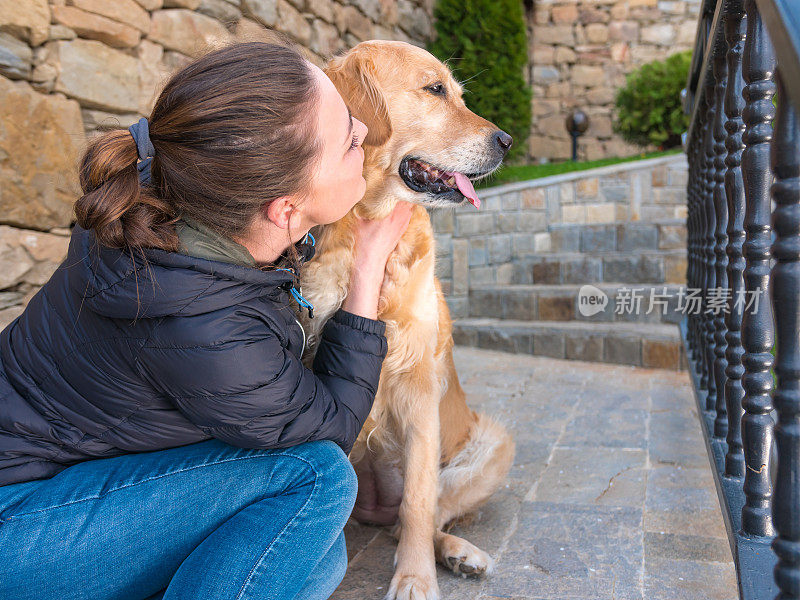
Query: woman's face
{"points": [[338, 183]]}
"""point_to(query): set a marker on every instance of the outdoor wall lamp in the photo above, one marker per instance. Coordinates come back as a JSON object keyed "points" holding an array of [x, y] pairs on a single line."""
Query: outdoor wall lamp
{"points": [[577, 124]]}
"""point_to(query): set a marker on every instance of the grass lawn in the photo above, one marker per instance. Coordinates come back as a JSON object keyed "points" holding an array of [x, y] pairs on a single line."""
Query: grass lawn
{"points": [[508, 174]]}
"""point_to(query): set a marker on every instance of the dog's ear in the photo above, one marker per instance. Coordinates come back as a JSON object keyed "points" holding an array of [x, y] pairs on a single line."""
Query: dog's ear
{"points": [[354, 76]]}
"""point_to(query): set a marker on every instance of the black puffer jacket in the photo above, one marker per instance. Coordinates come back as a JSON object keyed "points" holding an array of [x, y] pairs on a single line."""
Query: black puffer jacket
{"points": [[213, 351]]}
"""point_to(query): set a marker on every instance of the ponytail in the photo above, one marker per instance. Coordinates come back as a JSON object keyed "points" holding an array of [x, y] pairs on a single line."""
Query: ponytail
{"points": [[122, 212]]}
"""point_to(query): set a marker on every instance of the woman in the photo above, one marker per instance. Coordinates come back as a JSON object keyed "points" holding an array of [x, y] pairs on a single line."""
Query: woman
{"points": [[158, 432]]}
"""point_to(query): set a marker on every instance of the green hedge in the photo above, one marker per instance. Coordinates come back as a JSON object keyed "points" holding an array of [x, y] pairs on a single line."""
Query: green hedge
{"points": [[485, 45], [649, 107]]}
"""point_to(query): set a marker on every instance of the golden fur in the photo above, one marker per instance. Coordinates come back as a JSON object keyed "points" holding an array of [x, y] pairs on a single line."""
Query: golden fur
{"points": [[421, 446]]}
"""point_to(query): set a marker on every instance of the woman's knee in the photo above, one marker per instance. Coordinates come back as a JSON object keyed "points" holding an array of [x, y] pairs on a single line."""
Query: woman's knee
{"points": [[333, 472]]}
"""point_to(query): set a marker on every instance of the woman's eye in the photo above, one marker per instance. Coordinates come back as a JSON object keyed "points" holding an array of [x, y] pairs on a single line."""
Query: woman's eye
{"points": [[436, 88], [354, 143]]}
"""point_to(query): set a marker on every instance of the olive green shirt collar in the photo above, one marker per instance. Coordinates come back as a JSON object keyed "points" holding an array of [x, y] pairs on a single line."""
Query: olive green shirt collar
{"points": [[196, 239]]}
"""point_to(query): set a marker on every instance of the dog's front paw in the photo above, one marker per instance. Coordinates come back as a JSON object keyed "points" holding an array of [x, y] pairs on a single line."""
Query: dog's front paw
{"points": [[460, 556], [413, 587]]}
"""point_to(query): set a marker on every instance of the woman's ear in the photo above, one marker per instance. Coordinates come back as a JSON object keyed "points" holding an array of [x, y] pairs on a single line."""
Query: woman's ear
{"points": [[279, 210], [355, 78]]}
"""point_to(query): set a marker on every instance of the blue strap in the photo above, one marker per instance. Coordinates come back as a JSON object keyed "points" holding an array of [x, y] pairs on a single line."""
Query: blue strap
{"points": [[298, 297]]}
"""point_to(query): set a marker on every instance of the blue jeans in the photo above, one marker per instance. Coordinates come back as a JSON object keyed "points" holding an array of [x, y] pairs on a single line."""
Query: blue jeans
{"points": [[205, 521]]}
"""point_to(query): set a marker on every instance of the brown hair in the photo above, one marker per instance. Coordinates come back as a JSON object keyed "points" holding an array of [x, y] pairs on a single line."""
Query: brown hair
{"points": [[231, 131]]}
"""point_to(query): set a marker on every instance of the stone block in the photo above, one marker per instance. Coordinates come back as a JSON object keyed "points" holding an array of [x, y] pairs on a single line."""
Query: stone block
{"points": [[15, 57], [671, 237], [96, 27], [509, 201], [582, 270], [675, 269], [222, 11], [519, 305], [587, 76], [542, 242], [623, 349], [564, 55], [263, 11], [504, 274], [587, 188], [596, 33], [324, 10], [477, 252], [548, 272], [583, 346], [633, 269], [462, 336], [29, 20], [573, 213], [532, 198], [556, 307], [602, 212], [124, 11], [357, 24], [443, 220], [458, 306], [39, 182], [96, 75], [188, 4], [637, 236], [598, 238], [548, 343], [522, 271], [499, 248], [661, 354], [292, 22], [474, 224], [566, 239], [482, 275], [564, 14], [662, 34], [460, 267], [187, 32], [485, 303], [150, 4], [504, 341], [544, 74], [554, 34]]}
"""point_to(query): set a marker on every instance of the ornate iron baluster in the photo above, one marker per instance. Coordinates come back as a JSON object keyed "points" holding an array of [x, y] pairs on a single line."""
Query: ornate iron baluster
{"points": [[711, 226], [785, 290], [721, 241], [758, 69], [735, 25]]}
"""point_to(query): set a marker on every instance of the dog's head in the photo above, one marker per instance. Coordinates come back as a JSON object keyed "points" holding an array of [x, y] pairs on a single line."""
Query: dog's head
{"points": [[424, 145]]}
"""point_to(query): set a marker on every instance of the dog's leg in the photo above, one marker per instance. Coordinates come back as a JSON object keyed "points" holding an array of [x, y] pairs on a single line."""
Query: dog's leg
{"points": [[415, 565]]}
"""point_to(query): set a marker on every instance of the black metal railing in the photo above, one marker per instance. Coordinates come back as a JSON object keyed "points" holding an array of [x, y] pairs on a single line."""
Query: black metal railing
{"points": [[744, 262]]}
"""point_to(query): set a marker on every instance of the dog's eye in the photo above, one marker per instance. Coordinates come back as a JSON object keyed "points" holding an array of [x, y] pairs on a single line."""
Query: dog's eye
{"points": [[436, 88]]}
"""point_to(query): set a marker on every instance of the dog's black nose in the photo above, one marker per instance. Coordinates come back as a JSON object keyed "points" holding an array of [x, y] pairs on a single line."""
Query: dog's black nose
{"points": [[503, 140]]}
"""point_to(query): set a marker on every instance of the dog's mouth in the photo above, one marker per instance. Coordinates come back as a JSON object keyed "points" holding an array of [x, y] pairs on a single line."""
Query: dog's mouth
{"points": [[440, 183]]}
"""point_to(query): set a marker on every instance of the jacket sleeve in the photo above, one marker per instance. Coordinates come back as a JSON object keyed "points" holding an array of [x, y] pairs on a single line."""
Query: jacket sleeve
{"points": [[252, 392]]}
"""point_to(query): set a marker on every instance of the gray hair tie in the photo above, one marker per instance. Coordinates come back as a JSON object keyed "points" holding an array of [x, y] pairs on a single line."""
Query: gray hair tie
{"points": [[141, 135]]}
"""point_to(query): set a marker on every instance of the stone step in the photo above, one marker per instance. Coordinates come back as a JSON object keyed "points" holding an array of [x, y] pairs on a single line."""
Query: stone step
{"points": [[641, 266], [626, 302], [628, 236], [651, 345]]}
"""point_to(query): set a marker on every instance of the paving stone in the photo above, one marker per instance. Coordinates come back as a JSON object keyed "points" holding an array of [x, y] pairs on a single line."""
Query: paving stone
{"points": [[685, 547], [604, 476], [543, 557], [688, 580]]}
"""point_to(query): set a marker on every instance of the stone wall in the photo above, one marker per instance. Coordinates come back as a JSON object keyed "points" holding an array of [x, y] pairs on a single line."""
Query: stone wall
{"points": [[580, 52], [72, 68], [627, 219]]}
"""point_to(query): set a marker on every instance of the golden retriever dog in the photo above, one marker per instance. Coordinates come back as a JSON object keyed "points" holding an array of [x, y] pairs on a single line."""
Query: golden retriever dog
{"points": [[423, 457]]}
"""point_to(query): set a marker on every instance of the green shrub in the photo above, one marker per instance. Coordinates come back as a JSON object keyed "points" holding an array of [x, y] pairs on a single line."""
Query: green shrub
{"points": [[649, 106], [484, 44]]}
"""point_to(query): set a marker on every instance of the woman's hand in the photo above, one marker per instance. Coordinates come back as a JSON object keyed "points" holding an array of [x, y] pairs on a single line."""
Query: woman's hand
{"points": [[375, 240]]}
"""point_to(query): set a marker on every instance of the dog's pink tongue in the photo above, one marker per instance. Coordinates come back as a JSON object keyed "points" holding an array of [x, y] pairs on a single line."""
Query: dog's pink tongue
{"points": [[466, 188]]}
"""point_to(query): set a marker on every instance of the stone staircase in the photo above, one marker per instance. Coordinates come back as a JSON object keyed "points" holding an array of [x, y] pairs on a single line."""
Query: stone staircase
{"points": [[545, 311]]}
